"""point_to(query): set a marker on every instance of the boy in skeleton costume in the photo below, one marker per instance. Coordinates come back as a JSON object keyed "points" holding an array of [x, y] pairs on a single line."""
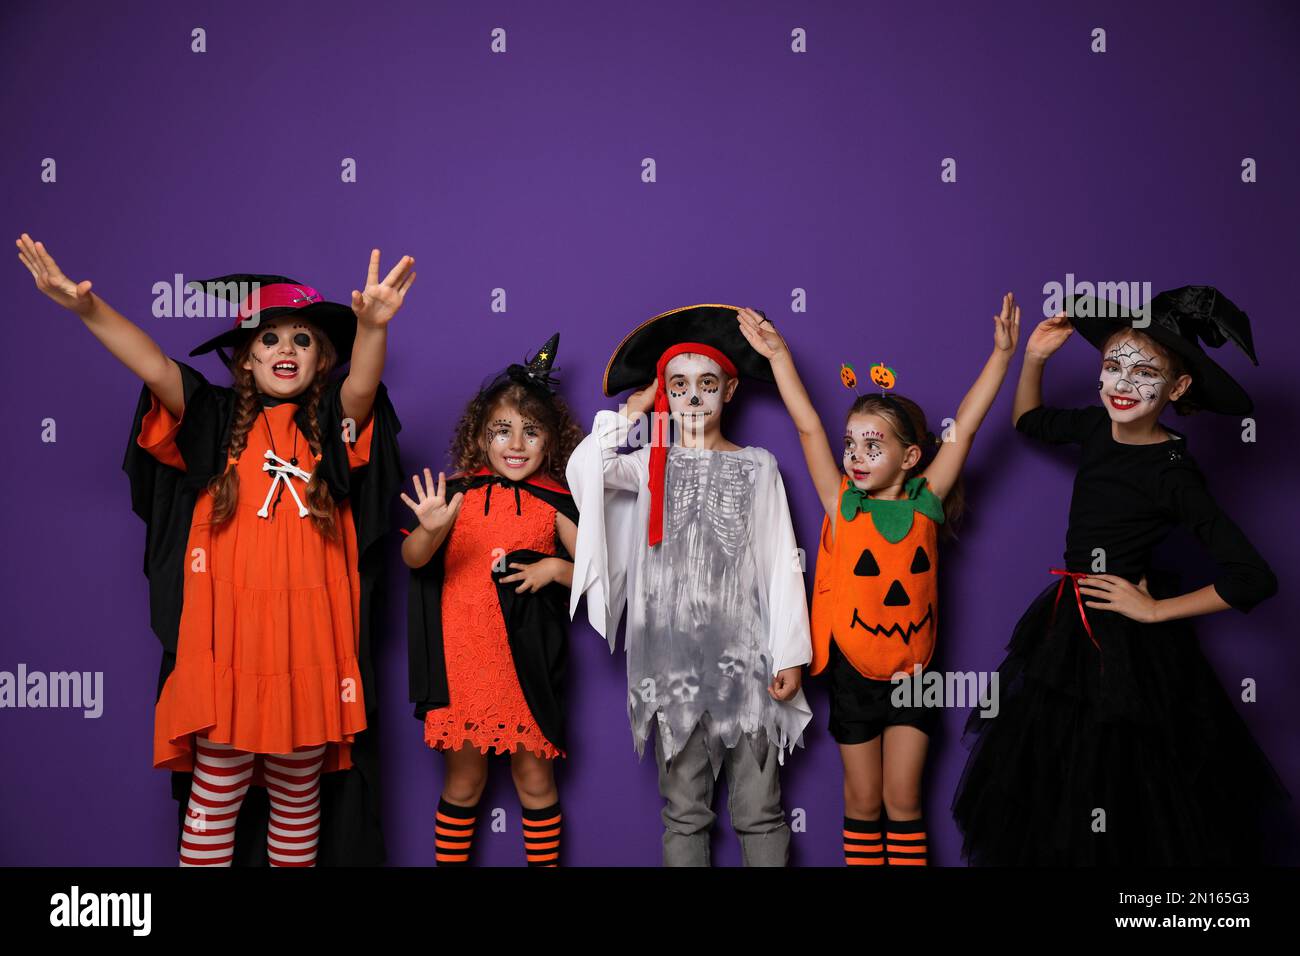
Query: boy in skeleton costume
{"points": [[694, 537]]}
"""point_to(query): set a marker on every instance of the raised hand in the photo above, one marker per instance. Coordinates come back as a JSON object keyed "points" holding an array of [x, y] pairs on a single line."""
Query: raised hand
{"points": [[641, 401], [381, 300], [761, 334], [1049, 335], [50, 278], [431, 506], [1006, 325]]}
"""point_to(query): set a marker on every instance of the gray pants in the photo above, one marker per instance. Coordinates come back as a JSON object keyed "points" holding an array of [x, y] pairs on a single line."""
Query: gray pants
{"points": [[753, 801]]}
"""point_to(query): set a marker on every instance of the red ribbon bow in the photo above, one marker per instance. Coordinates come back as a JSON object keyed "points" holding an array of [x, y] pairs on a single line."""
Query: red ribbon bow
{"points": [[1073, 577]]}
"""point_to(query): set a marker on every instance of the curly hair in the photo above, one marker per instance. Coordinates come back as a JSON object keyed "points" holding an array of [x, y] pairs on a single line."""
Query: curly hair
{"points": [[910, 427], [467, 453], [224, 487], [1186, 405]]}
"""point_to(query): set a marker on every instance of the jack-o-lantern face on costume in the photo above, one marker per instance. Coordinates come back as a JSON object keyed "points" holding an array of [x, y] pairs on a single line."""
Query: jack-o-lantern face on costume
{"points": [[898, 589], [848, 376], [883, 375]]}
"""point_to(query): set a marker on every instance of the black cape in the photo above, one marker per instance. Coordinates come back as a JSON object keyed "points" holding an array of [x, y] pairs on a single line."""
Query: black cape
{"points": [[537, 623], [164, 498]]}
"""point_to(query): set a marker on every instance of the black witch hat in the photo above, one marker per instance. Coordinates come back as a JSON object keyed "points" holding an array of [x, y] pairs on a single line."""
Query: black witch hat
{"points": [[535, 372], [1181, 320], [263, 297], [635, 361]]}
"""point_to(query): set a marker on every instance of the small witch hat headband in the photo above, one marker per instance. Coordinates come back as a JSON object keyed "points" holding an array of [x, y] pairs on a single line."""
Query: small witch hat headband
{"points": [[535, 372]]}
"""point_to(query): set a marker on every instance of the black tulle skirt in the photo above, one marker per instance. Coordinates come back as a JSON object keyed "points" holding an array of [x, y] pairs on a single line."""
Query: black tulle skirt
{"points": [[1127, 753]]}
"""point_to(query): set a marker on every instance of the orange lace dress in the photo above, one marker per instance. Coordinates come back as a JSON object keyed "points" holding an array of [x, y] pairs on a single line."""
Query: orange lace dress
{"points": [[266, 653], [487, 708]]}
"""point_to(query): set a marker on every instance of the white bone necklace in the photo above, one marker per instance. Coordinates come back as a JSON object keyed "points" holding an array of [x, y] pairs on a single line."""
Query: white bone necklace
{"points": [[282, 470]]}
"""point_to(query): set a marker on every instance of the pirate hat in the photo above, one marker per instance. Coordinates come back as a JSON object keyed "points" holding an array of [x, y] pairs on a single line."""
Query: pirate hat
{"points": [[264, 297], [643, 355], [1178, 318], [635, 361]]}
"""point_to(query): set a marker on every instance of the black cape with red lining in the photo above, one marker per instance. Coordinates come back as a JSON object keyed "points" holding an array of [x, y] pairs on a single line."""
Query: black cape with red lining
{"points": [[164, 498], [537, 623]]}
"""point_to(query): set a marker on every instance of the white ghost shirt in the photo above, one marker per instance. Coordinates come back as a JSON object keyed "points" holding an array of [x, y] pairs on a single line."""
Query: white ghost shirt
{"points": [[715, 610]]}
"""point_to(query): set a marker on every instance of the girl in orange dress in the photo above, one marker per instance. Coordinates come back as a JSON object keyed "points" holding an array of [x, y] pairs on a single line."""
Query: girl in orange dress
{"points": [[489, 604], [260, 505]]}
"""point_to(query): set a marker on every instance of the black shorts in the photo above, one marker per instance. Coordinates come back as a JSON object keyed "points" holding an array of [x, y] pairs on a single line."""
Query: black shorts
{"points": [[861, 708]]}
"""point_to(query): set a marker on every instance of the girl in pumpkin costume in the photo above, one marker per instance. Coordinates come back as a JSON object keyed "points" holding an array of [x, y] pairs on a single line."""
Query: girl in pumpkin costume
{"points": [[487, 621], [263, 503], [875, 599], [1114, 742]]}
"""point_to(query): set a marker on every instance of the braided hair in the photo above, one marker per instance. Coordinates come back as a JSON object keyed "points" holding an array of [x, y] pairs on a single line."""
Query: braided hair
{"points": [[224, 487]]}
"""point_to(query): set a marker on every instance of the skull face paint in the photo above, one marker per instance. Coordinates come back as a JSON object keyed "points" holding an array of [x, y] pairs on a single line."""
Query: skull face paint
{"points": [[697, 388], [873, 455], [1134, 382]]}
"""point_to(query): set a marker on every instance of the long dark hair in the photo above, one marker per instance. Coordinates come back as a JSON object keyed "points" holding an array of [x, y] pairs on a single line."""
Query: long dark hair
{"points": [[562, 433], [907, 419], [224, 487]]}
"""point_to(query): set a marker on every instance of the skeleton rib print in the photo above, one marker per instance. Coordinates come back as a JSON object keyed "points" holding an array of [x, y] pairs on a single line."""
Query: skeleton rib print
{"points": [[703, 659]]}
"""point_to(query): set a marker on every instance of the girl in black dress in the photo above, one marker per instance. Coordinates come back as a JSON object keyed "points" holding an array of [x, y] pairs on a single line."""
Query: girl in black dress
{"points": [[1114, 743]]}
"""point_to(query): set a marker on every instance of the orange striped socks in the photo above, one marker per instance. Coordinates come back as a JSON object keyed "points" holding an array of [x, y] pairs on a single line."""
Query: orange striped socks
{"points": [[905, 842], [542, 835], [453, 833], [862, 843]]}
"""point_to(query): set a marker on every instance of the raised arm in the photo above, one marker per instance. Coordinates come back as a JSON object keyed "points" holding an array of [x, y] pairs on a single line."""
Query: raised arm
{"points": [[1048, 336], [436, 516], [128, 343], [374, 308], [822, 466], [943, 472]]}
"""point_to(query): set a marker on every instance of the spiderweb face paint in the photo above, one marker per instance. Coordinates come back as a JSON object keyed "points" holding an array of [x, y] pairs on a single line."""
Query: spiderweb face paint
{"points": [[695, 386], [1134, 381]]}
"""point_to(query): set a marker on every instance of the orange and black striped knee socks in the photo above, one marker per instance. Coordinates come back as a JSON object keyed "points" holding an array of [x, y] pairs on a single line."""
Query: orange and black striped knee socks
{"points": [[905, 843], [862, 843], [453, 833], [542, 835]]}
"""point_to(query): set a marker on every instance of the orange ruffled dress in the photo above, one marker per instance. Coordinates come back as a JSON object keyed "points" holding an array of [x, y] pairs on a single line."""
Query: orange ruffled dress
{"points": [[487, 708], [266, 653]]}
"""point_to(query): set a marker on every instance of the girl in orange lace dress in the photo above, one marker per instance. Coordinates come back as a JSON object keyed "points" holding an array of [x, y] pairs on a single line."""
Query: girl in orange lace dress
{"points": [[488, 551]]}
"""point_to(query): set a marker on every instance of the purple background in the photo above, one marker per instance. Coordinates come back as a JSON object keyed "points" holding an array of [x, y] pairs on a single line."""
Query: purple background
{"points": [[522, 171]]}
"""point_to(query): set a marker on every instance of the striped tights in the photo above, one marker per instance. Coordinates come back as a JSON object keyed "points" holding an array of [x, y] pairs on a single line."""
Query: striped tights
{"points": [[222, 775]]}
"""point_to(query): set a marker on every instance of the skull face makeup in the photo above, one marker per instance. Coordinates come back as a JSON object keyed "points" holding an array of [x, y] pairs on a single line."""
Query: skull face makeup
{"points": [[284, 357], [697, 388], [1136, 381], [874, 457], [515, 444]]}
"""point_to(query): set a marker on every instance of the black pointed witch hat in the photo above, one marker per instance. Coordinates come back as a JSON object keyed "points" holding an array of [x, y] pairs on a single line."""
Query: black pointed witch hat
{"points": [[1181, 320], [535, 372]]}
